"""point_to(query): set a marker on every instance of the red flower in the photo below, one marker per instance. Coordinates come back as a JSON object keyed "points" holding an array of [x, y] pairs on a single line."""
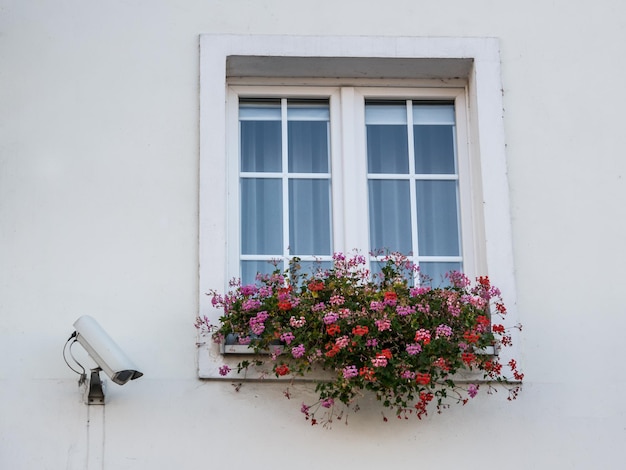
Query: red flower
{"points": [[367, 373], [282, 369], [315, 286], [482, 320], [498, 329], [284, 305], [333, 329], [426, 397], [484, 281], [334, 350], [468, 358], [360, 330], [494, 367], [471, 337], [391, 296], [500, 308], [422, 379], [386, 353]]}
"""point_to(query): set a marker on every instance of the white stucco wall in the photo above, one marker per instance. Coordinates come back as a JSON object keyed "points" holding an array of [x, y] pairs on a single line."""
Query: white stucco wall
{"points": [[98, 215]]}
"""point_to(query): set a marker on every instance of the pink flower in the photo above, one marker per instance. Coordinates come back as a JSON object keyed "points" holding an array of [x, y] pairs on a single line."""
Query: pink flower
{"points": [[298, 351], [287, 337], [349, 372], [330, 317], [224, 370], [472, 390], [379, 361], [413, 349], [384, 324], [342, 342], [328, 402]]}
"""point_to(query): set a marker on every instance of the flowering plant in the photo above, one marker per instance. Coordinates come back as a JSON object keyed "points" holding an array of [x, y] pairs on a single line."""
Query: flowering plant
{"points": [[381, 333]]}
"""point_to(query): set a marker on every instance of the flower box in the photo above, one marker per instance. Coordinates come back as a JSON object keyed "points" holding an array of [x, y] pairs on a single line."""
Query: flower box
{"points": [[394, 334]]}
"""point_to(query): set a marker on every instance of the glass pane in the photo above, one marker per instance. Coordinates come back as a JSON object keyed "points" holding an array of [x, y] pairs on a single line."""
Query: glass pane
{"points": [[261, 216], [437, 218], [249, 270], [434, 149], [387, 148], [260, 137], [308, 125], [309, 217], [433, 138], [390, 216], [436, 272]]}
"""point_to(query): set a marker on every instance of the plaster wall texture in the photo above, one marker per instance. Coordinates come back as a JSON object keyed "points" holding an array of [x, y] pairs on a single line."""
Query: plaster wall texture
{"points": [[99, 215]]}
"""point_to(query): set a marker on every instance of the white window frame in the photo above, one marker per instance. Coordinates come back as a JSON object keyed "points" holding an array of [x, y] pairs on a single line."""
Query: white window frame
{"points": [[275, 63]]}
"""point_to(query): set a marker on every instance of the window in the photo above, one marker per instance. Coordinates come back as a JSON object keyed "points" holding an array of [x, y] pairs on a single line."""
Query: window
{"points": [[402, 159], [312, 145]]}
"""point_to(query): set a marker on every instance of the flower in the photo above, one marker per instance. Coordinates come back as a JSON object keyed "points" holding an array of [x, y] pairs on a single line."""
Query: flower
{"points": [[298, 351], [404, 343]]}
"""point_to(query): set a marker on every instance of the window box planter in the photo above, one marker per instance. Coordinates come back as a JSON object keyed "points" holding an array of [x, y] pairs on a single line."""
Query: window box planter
{"points": [[411, 344]]}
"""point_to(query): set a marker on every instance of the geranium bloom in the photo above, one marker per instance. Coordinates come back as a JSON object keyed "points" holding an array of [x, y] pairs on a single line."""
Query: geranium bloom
{"points": [[316, 286], [442, 364], [391, 298], [330, 317], [224, 370], [404, 310], [251, 304], [297, 323], [284, 305], [367, 373], [413, 349], [250, 289], [422, 335], [383, 324], [422, 379], [298, 351], [472, 390], [468, 358], [360, 330], [471, 337], [342, 342], [333, 351], [287, 337], [327, 402], [379, 361], [282, 369], [333, 329], [349, 372], [443, 330]]}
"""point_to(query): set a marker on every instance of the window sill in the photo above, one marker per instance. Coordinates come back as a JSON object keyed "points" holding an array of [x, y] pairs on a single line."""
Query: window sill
{"points": [[213, 356]]}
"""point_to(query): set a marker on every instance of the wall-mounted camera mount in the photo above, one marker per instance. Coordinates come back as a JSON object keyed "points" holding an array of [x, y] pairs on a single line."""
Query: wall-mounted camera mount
{"points": [[105, 352]]}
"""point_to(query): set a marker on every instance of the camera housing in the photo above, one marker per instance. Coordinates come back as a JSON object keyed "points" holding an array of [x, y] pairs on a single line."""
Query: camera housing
{"points": [[104, 351]]}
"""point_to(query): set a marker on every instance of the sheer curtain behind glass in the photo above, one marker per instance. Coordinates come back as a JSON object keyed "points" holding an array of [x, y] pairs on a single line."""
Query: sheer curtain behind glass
{"points": [[285, 182], [413, 183]]}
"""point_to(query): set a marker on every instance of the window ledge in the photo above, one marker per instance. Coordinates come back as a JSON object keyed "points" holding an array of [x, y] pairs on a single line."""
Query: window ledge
{"points": [[213, 356]]}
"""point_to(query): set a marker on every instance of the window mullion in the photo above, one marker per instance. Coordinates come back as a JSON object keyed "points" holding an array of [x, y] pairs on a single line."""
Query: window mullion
{"points": [[354, 162], [412, 191], [285, 178]]}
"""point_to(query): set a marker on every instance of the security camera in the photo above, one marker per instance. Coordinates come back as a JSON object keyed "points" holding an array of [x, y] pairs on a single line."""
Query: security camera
{"points": [[104, 351]]}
